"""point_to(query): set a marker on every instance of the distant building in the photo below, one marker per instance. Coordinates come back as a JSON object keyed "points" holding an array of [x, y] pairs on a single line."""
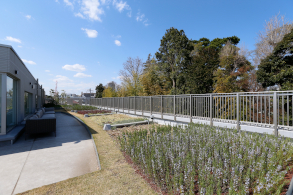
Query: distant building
{"points": [[88, 95]]}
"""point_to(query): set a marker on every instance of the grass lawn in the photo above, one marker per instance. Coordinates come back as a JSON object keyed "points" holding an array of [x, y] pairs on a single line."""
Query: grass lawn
{"points": [[116, 176], [114, 119]]}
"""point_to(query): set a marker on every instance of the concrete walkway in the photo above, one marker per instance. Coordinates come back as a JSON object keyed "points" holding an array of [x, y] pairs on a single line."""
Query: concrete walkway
{"points": [[46, 159]]}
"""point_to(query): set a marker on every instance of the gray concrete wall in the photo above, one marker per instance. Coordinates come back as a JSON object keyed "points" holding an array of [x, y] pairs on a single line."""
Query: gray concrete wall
{"points": [[9, 62]]}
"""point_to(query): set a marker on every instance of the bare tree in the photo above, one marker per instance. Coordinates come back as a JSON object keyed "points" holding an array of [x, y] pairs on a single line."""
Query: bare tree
{"points": [[130, 75], [274, 31]]}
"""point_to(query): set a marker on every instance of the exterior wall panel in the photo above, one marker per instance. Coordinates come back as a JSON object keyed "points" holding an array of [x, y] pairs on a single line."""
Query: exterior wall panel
{"points": [[9, 62]]}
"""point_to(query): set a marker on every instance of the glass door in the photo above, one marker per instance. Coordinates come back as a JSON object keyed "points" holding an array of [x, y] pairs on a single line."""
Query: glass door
{"points": [[11, 94], [27, 103]]}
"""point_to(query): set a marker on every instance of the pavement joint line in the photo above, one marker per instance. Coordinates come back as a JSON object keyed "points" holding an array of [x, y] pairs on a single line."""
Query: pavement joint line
{"points": [[23, 166]]}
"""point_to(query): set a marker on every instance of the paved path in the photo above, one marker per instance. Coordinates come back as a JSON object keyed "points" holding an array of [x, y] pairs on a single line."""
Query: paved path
{"points": [[46, 159]]}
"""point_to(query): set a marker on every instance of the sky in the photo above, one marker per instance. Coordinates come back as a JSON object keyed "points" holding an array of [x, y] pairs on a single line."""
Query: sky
{"points": [[81, 43]]}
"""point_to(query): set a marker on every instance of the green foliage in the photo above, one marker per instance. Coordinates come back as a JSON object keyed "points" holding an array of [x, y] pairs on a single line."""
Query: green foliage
{"points": [[78, 107], [208, 160], [204, 62], [109, 92], [99, 90], [277, 68], [234, 70], [173, 55], [129, 121], [153, 80]]}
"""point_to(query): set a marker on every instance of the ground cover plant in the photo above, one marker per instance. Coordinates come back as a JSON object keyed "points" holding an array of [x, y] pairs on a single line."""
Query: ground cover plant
{"points": [[206, 160], [93, 111], [113, 119], [78, 107], [131, 120]]}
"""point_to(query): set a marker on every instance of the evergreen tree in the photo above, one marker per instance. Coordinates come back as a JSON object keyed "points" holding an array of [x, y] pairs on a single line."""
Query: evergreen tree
{"points": [[173, 55], [277, 68], [99, 90]]}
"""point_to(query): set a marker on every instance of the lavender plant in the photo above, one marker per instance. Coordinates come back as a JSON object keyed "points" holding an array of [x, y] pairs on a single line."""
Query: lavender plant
{"points": [[208, 160]]}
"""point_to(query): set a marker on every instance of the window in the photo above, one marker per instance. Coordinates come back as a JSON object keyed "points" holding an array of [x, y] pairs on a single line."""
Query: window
{"points": [[11, 97], [27, 103]]}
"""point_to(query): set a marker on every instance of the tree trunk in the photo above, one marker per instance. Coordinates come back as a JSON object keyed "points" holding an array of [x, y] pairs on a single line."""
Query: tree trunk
{"points": [[174, 86]]}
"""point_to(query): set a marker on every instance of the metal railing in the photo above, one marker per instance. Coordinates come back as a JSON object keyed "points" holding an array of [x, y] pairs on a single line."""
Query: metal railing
{"points": [[273, 109]]}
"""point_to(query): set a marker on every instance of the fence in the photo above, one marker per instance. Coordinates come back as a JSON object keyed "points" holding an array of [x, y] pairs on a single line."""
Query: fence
{"points": [[272, 109]]}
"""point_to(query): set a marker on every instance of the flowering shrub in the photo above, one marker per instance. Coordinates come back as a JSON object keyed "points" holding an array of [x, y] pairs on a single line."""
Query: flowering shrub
{"points": [[207, 160], [93, 111]]}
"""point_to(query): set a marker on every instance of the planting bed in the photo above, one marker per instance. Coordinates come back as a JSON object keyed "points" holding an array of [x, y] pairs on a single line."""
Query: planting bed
{"points": [[78, 107], [205, 160], [113, 119], [93, 111]]}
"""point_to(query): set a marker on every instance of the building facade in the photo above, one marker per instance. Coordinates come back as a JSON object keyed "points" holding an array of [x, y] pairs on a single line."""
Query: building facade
{"points": [[20, 94]]}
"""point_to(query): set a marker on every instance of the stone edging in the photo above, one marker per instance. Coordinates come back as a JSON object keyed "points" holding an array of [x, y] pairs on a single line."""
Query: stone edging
{"points": [[86, 127]]}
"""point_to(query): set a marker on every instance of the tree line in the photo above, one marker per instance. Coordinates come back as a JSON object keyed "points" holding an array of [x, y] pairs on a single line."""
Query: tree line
{"points": [[185, 66]]}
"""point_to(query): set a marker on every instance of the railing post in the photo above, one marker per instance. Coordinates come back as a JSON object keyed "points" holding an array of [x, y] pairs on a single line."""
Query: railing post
{"points": [[161, 107], [237, 105], [275, 113], [134, 105], [151, 105], [141, 105], [128, 104], [118, 99], [211, 110], [174, 97], [190, 107], [123, 104]]}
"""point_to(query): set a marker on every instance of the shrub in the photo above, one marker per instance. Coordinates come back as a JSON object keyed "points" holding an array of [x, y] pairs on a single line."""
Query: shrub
{"points": [[208, 160], [93, 111], [78, 107]]}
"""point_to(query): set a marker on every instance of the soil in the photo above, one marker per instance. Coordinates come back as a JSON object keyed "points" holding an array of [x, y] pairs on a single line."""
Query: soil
{"points": [[115, 133]]}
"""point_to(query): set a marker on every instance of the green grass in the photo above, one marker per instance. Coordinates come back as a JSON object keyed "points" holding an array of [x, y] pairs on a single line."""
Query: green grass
{"points": [[78, 107], [129, 121]]}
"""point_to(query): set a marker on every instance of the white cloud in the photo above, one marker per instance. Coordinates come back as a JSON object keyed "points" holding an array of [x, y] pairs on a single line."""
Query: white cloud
{"points": [[90, 33], [47, 70], [82, 75], [56, 1], [117, 78], [139, 17], [79, 15], [28, 17], [28, 62], [61, 78], [116, 37], [19, 46], [145, 22], [92, 9], [13, 39], [68, 3], [118, 43], [120, 6], [75, 67], [129, 14]]}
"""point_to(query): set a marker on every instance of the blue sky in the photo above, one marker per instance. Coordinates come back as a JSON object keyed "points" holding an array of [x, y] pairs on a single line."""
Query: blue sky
{"points": [[81, 43]]}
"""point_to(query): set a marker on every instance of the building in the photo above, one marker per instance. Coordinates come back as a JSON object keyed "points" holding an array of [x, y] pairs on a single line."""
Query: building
{"points": [[20, 93], [88, 95]]}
